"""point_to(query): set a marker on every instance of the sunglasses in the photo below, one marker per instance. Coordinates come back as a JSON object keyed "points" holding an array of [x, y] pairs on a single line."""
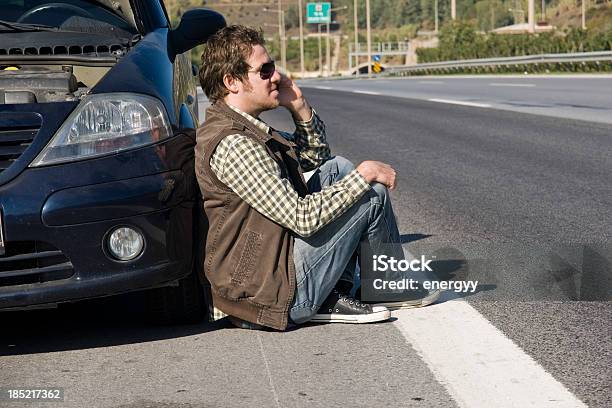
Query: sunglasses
{"points": [[266, 70]]}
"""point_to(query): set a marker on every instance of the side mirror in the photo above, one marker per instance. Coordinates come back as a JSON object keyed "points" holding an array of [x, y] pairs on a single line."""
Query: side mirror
{"points": [[195, 28]]}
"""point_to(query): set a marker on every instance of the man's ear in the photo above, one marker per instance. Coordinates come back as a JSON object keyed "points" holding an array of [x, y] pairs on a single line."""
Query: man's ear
{"points": [[231, 83]]}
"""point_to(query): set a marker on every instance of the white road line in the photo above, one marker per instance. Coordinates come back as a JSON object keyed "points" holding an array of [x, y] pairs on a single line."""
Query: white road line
{"points": [[323, 87], [431, 82], [366, 92], [478, 105], [270, 380], [516, 85], [477, 363]]}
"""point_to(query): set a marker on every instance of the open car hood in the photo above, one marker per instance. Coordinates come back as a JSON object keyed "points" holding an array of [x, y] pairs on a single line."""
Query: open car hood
{"points": [[121, 7]]}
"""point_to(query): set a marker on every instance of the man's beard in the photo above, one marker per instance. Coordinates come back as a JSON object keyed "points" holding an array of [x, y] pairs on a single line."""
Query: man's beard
{"points": [[273, 104], [269, 104]]}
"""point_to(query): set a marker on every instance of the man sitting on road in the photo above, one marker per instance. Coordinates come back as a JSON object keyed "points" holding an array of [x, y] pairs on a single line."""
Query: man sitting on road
{"points": [[280, 250]]}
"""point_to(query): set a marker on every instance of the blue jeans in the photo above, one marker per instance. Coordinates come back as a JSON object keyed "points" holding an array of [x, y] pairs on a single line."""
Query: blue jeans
{"points": [[331, 254]]}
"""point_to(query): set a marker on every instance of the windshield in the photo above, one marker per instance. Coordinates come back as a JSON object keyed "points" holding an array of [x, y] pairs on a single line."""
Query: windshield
{"points": [[70, 15]]}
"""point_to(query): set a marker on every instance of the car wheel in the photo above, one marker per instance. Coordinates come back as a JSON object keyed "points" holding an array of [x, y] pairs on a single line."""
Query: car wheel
{"points": [[177, 304]]}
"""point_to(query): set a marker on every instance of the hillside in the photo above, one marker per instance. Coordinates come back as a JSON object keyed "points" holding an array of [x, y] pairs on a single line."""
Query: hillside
{"points": [[392, 20], [567, 13], [393, 14]]}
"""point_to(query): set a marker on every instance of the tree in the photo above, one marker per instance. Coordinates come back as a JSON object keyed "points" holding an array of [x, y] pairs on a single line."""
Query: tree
{"points": [[413, 11], [292, 17]]}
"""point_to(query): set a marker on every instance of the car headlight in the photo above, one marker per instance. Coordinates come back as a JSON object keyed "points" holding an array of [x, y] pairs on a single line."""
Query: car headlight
{"points": [[104, 124]]}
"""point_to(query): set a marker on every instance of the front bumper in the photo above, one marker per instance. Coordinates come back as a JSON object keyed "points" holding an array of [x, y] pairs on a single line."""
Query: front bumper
{"points": [[63, 214]]}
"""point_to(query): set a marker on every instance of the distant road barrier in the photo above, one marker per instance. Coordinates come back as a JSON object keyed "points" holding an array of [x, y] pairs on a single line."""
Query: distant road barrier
{"points": [[596, 58]]}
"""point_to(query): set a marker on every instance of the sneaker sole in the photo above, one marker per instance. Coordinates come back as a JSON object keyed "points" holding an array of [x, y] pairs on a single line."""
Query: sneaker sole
{"points": [[411, 304], [355, 319]]}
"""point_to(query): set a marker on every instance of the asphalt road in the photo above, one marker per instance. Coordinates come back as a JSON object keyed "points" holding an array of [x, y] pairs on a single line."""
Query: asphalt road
{"points": [[522, 203], [519, 202], [583, 97]]}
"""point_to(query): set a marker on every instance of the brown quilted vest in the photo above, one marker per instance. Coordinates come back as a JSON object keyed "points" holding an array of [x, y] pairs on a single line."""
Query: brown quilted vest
{"points": [[248, 258]]}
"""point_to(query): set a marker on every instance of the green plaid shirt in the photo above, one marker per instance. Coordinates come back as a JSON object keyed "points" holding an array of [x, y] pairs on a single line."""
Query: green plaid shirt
{"points": [[245, 167]]}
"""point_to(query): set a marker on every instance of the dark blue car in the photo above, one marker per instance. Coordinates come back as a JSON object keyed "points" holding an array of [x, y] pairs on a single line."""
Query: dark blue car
{"points": [[97, 189]]}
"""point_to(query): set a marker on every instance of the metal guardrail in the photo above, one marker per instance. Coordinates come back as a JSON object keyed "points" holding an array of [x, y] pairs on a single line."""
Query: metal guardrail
{"points": [[522, 60]]}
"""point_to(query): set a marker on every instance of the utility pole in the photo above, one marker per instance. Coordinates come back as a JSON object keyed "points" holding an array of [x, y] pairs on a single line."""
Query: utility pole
{"points": [[454, 9], [281, 30], [584, 14], [356, 22], [301, 40], [328, 47], [531, 16], [281, 33], [369, 35], [436, 13], [329, 68], [320, 55], [328, 52]]}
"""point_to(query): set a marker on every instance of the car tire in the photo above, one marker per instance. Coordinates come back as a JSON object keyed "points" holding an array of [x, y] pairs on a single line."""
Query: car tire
{"points": [[180, 304]]}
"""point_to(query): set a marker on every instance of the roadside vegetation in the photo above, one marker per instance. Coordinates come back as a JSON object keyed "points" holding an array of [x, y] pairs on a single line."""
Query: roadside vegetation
{"points": [[460, 41]]}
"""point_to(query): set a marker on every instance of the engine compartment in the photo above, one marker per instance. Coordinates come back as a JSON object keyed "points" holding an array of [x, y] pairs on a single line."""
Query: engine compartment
{"points": [[47, 83], [42, 66]]}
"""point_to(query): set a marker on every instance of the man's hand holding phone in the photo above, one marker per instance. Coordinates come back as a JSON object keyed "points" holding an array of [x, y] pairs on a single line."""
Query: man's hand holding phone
{"points": [[290, 96]]}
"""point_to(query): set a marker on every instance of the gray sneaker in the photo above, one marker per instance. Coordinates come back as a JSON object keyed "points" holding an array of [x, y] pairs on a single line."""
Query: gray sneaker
{"points": [[407, 299]]}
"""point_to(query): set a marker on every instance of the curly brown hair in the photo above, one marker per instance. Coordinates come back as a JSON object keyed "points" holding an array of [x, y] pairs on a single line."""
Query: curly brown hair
{"points": [[225, 53]]}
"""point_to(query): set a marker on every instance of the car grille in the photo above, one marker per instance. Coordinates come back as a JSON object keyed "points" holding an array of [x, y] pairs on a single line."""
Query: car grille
{"points": [[16, 137], [93, 50], [33, 262]]}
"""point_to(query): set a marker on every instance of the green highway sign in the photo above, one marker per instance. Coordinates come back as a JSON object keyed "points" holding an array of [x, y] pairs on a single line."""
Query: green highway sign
{"points": [[318, 12]]}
